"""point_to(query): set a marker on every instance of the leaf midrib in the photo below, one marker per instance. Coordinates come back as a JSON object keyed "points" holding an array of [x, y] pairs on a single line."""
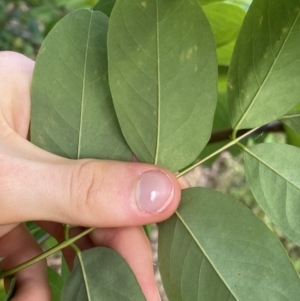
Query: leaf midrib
{"points": [[84, 276], [158, 86], [291, 116], [267, 76], [270, 167], [83, 90], [205, 254]]}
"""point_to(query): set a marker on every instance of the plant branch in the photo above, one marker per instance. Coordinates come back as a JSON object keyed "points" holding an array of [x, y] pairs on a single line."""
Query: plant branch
{"points": [[67, 237], [224, 134], [233, 142], [51, 251]]}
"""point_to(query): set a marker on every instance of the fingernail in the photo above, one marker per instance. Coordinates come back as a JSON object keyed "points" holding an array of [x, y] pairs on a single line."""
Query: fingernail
{"points": [[154, 191]]}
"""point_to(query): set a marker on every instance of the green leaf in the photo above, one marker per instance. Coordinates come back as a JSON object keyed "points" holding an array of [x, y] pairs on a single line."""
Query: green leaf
{"points": [[163, 78], [11, 290], [225, 21], [65, 272], [272, 171], [75, 4], [214, 248], [101, 274], [244, 4], [292, 120], [2, 290], [292, 137], [224, 53], [105, 6], [56, 284], [36, 231], [263, 81], [72, 111], [206, 2]]}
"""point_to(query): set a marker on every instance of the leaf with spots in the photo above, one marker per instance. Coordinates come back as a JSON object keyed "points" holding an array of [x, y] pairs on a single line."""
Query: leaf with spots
{"points": [[263, 80], [72, 112], [163, 78], [216, 249]]}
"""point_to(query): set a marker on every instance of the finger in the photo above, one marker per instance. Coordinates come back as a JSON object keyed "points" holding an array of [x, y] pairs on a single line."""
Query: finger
{"points": [[133, 245], [7, 228], [85, 192], [130, 242], [15, 73], [17, 247]]}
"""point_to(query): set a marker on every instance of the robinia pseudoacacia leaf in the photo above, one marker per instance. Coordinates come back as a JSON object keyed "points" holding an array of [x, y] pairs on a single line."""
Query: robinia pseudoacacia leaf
{"points": [[263, 79], [163, 78], [72, 112], [214, 248]]}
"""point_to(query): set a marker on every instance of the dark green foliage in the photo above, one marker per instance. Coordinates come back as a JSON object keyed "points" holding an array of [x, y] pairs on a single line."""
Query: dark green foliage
{"points": [[161, 61]]}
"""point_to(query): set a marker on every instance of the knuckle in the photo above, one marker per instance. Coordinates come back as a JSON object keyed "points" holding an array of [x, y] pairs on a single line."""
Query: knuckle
{"points": [[84, 188]]}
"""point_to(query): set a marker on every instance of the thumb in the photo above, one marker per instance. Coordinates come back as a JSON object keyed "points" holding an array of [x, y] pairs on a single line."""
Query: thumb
{"points": [[37, 185]]}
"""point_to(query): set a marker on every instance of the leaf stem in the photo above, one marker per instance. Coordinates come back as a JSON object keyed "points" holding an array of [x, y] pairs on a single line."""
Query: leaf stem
{"points": [[84, 276], [234, 132], [67, 237], [233, 142], [224, 134], [290, 116], [34, 260]]}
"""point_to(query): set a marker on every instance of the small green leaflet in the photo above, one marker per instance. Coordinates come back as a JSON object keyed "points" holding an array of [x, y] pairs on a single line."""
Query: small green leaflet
{"points": [[72, 113], [272, 171], [163, 78], [101, 275], [263, 79], [216, 249]]}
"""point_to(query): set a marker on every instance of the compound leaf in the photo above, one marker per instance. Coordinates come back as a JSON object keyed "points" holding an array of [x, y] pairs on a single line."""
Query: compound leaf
{"points": [[163, 78], [214, 248], [72, 111]]}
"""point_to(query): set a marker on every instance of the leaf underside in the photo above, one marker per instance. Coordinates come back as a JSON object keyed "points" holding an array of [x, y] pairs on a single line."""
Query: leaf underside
{"points": [[163, 78], [215, 249], [263, 80], [72, 112], [272, 171], [103, 276], [56, 284]]}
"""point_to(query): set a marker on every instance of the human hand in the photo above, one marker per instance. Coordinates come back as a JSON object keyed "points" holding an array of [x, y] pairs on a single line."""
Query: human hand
{"points": [[112, 196]]}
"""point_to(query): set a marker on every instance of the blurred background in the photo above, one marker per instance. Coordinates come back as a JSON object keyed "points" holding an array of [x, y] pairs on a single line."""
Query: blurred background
{"points": [[25, 24]]}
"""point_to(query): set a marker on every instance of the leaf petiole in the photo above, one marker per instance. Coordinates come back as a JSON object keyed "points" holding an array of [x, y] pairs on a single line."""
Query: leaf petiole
{"points": [[67, 237], [51, 251], [233, 142]]}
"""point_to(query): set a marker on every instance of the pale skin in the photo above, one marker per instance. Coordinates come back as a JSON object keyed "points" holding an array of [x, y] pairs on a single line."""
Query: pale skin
{"points": [[37, 185]]}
